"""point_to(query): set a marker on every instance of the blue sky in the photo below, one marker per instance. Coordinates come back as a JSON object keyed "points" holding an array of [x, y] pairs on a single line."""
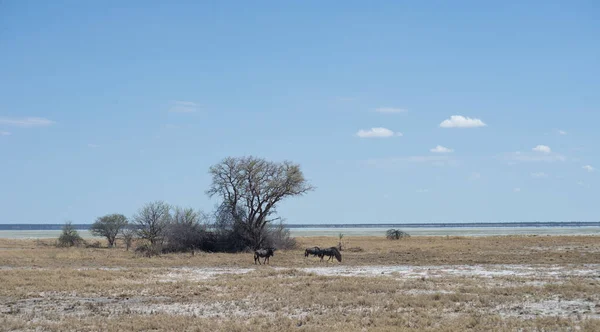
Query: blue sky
{"points": [[396, 111]]}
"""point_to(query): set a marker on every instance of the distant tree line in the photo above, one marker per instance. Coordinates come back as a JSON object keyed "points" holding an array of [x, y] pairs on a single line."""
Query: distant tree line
{"points": [[249, 190]]}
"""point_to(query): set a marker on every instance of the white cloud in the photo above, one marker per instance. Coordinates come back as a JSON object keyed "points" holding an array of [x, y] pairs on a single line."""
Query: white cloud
{"points": [[422, 191], [517, 190], [5, 133], [183, 107], [542, 149], [562, 132], [459, 121], [441, 149], [390, 110], [376, 132], [539, 175], [26, 122], [90, 145], [589, 168]]}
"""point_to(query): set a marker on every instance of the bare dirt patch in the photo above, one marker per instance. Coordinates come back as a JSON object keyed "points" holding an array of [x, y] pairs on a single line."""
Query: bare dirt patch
{"points": [[542, 273], [197, 274], [481, 271], [552, 308]]}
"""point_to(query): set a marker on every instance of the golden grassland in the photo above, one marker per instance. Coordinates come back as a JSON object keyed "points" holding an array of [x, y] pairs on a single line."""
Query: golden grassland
{"points": [[504, 283]]}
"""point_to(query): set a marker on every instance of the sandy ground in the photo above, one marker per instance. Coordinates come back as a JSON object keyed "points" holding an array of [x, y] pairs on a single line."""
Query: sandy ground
{"points": [[47, 305], [541, 273]]}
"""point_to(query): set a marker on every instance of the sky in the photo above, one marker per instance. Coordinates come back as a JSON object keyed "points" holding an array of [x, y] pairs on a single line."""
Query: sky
{"points": [[412, 111]]}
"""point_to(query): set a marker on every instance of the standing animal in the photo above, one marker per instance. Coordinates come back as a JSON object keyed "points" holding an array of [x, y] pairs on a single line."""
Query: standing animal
{"points": [[312, 251], [331, 252], [266, 253]]}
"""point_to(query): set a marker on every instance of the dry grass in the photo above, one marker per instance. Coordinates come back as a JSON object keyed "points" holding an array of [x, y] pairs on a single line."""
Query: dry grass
{"points": [[423, 283], [375, 251]]}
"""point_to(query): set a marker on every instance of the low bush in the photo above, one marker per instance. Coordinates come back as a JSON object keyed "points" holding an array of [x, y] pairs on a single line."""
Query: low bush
{"points": [[278, 236], [396, 234], [69, 236]]}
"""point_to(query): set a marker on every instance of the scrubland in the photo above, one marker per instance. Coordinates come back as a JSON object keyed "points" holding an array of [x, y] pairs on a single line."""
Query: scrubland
{"points": [[505, 283]]}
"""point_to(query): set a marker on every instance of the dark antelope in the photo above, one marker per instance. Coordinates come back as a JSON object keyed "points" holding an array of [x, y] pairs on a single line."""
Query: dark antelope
{"points": [[312, 251], [266, 253], [331, 252]]}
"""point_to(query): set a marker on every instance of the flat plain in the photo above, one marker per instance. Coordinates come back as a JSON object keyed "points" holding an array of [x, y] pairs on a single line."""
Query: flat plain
{"points": [[499, 283]]}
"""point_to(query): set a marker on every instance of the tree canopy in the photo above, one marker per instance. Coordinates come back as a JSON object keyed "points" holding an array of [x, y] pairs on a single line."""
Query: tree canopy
{"points": [[109, 227], [152, 220], [251, 188]]}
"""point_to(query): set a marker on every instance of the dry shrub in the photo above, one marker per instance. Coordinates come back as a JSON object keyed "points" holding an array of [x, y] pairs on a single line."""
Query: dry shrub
{"points": [[149, 249], [278, 236], [231, 235], [396, 234], [183, 237], [69, 237]]}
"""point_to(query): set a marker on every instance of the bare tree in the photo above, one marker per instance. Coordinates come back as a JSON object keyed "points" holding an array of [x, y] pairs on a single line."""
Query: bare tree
{"points": [[252, 187], [127, 234], [109, 227], [152, 220], [340, 236]]}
